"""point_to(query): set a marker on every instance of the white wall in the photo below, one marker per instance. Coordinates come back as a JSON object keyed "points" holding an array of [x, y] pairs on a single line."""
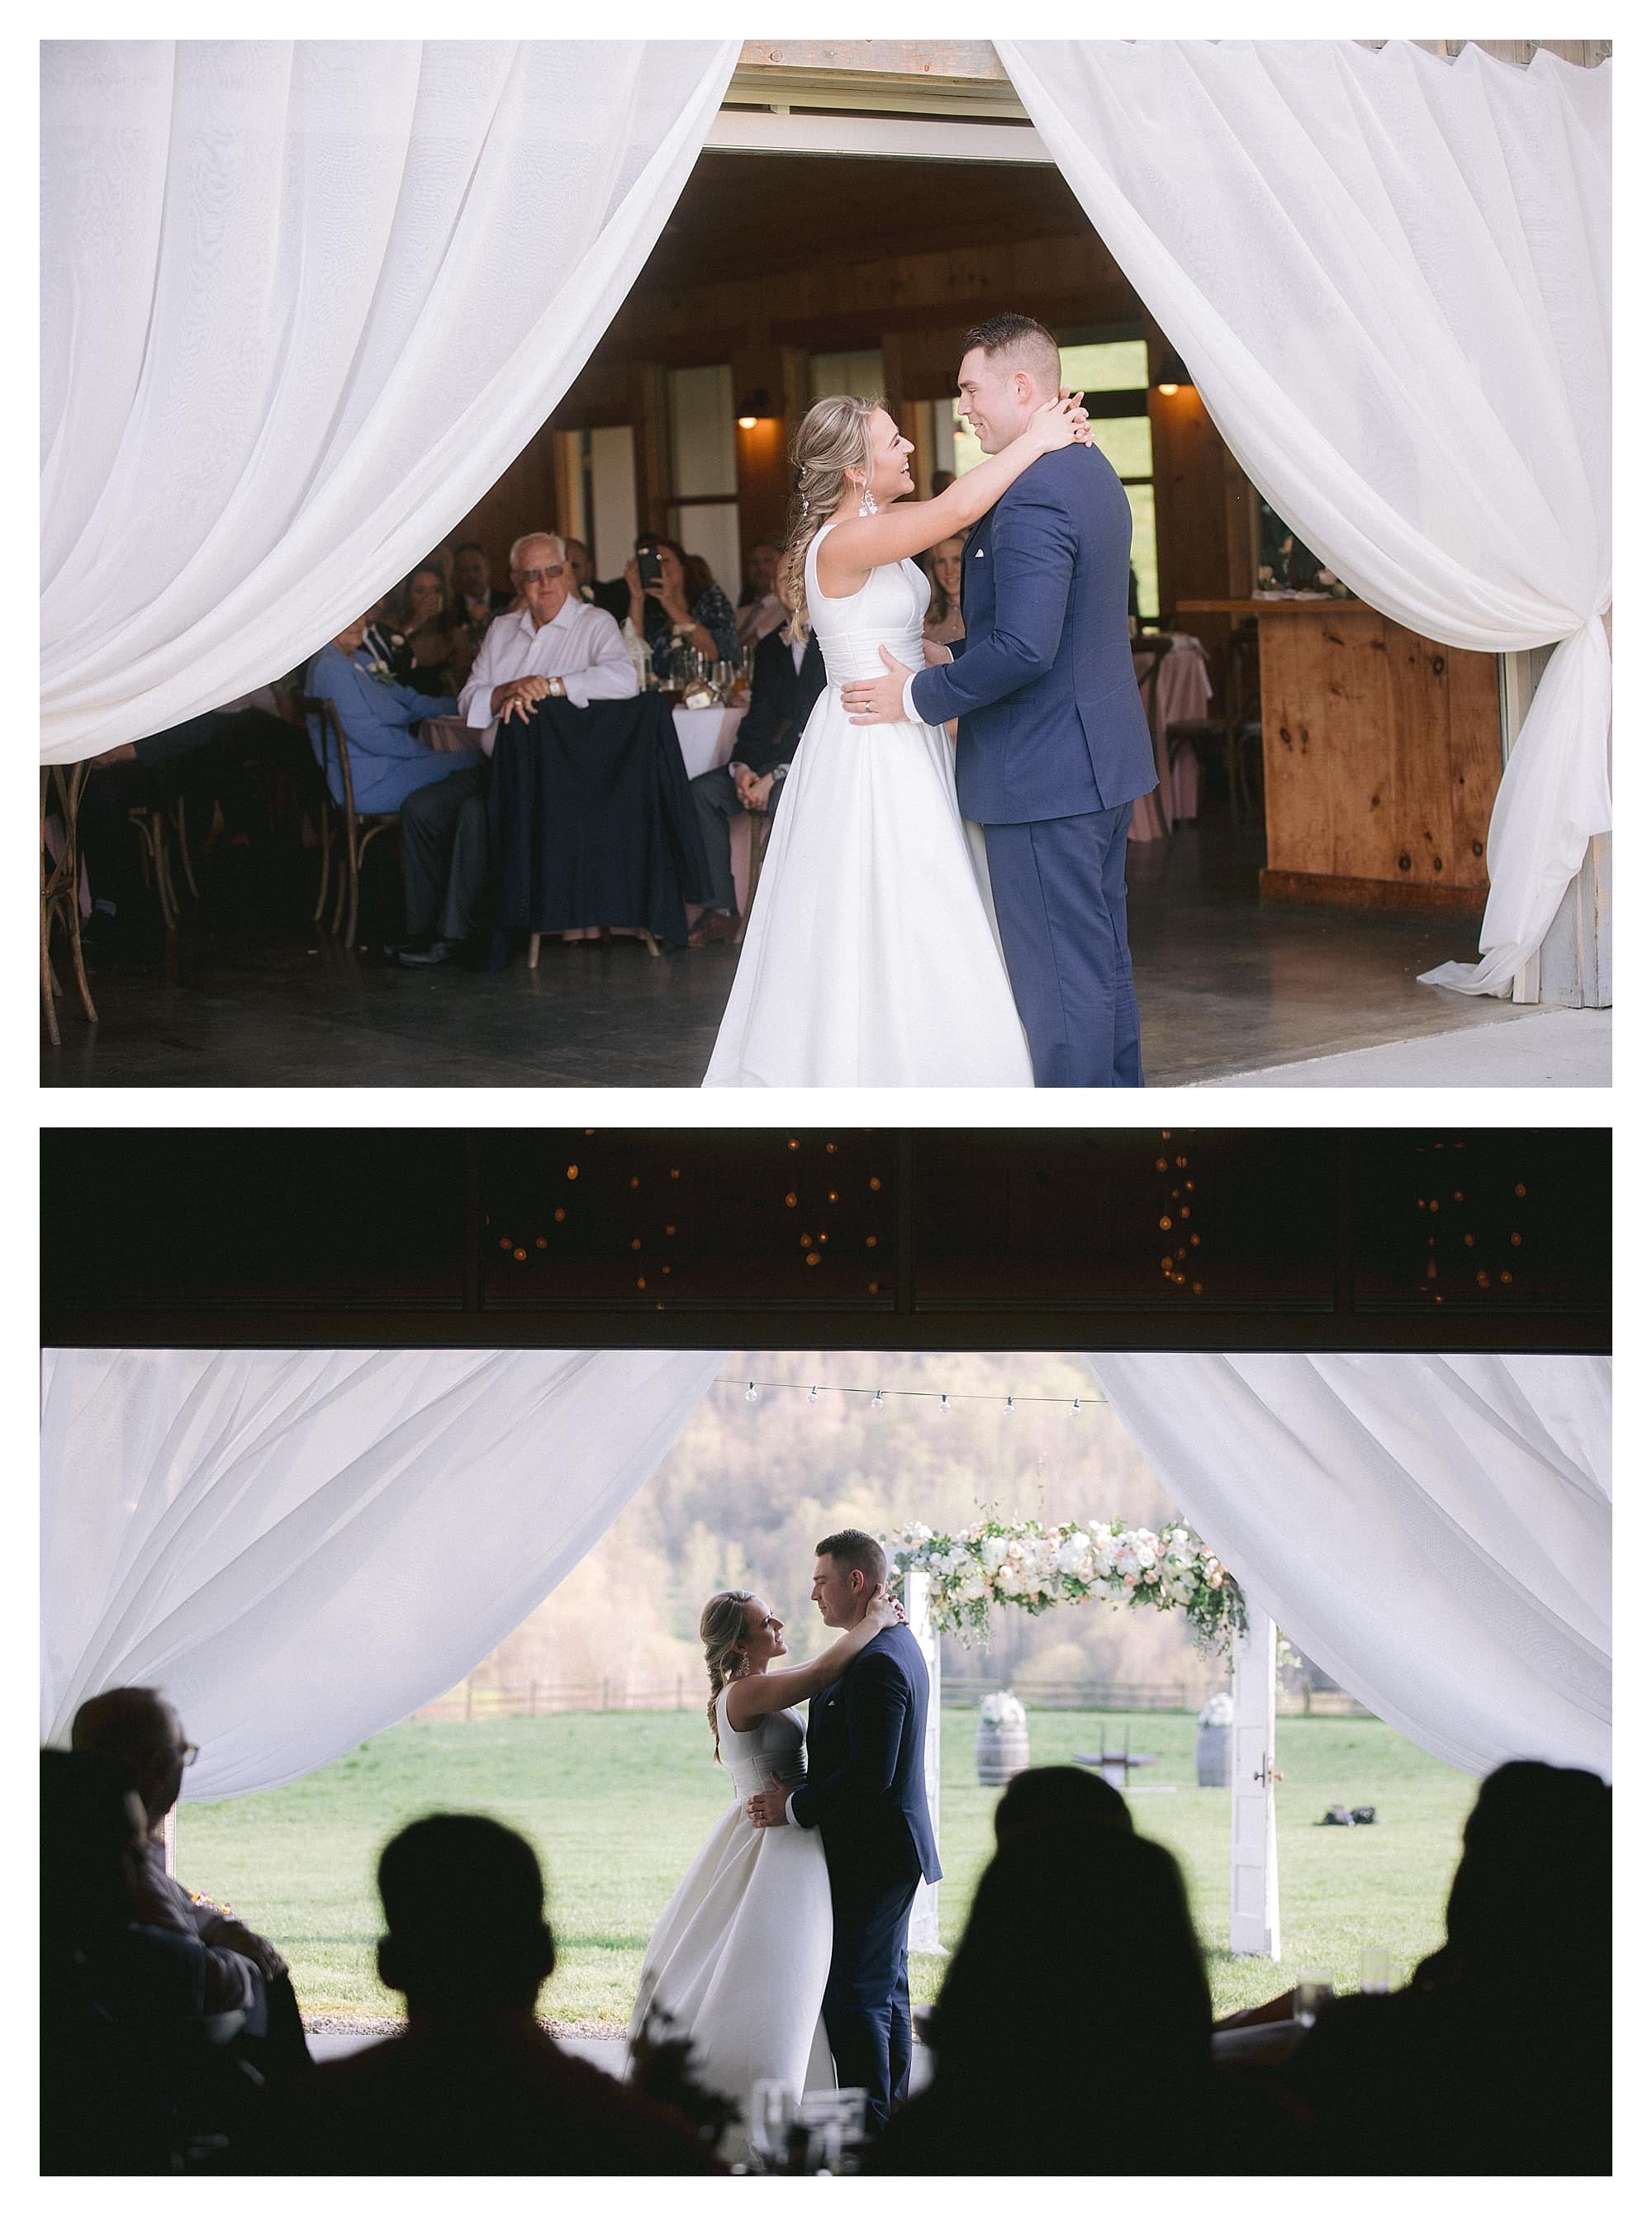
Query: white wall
{"points": [[613, 499]]}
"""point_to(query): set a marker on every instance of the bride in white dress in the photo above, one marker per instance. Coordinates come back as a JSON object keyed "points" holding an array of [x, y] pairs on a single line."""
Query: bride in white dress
{"points": [[871, 955], [738, 1961]]}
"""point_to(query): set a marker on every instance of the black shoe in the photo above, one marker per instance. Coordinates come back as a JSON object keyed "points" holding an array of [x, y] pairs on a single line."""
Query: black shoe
{"points": [[427, 957]]}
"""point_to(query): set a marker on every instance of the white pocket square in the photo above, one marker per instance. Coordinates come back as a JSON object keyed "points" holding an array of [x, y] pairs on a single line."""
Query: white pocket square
{"points": [[979, 552]]}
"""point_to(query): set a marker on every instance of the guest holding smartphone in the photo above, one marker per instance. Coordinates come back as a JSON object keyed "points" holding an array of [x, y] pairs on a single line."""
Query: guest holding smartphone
{"points": [[674, 603]]}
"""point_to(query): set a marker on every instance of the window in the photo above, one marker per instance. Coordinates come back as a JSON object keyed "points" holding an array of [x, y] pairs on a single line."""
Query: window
{"points": [[861, 373], [705, 512], [1113, 375]]}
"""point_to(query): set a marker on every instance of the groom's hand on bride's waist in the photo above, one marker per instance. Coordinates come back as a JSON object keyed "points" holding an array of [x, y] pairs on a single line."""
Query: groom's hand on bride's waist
{"points": [[768, 1809], [878, 699]]}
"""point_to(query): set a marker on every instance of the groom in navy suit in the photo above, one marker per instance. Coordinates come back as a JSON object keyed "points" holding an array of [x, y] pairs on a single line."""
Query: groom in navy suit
{"points": [[1053, 747], [865, 1792]]}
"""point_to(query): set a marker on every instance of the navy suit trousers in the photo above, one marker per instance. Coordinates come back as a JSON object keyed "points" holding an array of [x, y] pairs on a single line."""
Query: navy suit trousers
{"points": [[1058, 888], [868, 2007]]}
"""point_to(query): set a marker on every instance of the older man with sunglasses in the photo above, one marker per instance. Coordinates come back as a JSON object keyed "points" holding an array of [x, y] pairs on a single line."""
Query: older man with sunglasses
{"points": [[133, 1724], [554, 643]]}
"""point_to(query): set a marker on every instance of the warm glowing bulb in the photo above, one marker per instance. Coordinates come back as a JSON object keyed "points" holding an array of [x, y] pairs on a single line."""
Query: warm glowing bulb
{"points": [[747, 422]]}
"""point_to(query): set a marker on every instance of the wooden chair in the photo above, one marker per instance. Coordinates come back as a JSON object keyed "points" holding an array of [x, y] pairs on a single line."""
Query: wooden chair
{"points": [[619, 930], [359, 831], [1158, 647], [157, 827], [762, 827], [1238, 733], [60, 890]]}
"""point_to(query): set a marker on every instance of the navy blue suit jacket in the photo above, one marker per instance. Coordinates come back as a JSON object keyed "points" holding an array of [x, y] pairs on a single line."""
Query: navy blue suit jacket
{"points": [[864, 1788], [1050, 720]]}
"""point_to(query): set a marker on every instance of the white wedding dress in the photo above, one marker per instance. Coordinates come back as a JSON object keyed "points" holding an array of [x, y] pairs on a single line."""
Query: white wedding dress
{"points": [[738, 1961], [871, 956]]}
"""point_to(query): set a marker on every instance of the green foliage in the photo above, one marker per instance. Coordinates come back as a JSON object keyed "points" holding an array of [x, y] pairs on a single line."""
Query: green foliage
{"points": [[617, 1805]]}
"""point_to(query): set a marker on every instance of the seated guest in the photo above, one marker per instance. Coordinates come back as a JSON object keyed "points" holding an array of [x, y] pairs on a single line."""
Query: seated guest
{"points": [[118, 1999], [582, 570], [944, 625], [684, 609], [474, 2088], [1057, 1792], [1496, 2060], [761, 610], [205, 762], [134, 1727], [612, 595], [1066, 2041], [554, 644], [378, 715], [786, 679], [440, 645], [479, 599]]}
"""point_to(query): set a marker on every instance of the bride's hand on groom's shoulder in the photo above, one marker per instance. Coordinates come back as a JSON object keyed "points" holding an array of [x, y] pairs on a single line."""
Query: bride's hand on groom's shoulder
{"points": [[887, 1612], [1063, 421]]}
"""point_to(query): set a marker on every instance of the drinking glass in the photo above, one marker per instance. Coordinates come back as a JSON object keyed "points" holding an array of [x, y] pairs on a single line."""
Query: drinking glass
{"points": [[839, 2118], [1314, 1992], [1373, 1969], [770, 2120]]}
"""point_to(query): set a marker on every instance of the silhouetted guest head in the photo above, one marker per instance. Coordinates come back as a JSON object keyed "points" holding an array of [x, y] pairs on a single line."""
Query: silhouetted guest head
{"points": [[133, 1725], [1054, 1794], [464, 1912], [1537, 1843], [92, 1829], [1079, 1967]]}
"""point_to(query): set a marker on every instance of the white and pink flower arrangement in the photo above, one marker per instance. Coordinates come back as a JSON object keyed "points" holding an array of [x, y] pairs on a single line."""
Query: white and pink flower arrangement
{"points": [[999, 1563]]}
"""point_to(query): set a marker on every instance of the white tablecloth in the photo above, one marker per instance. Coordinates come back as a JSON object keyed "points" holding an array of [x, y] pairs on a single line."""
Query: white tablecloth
{"points": [[706, 736]]}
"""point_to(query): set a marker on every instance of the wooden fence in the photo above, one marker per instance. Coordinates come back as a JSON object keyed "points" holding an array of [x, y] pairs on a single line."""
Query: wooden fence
{"points": [[477, 1703]]}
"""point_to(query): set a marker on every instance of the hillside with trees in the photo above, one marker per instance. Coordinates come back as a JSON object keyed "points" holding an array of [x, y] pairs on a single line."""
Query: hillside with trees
{"points": [[748, 1489]]}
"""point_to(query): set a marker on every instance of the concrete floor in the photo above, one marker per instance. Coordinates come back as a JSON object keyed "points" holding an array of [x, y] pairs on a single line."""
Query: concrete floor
{"points": [[1226, 987], [1542, 1047]]}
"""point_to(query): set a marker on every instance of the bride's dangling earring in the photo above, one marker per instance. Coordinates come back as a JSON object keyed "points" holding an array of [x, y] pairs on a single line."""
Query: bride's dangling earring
{"points": [[868, 505]]}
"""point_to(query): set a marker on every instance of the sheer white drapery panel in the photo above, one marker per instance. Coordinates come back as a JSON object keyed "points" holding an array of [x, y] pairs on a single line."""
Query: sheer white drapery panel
{"points": [[303, 302], [1390, 277], [1435, 1531], [301, 1549]]}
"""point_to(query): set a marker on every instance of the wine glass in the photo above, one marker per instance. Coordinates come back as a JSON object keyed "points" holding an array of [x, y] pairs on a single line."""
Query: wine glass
{"points": [[1314, 1993], [770, 2122]]}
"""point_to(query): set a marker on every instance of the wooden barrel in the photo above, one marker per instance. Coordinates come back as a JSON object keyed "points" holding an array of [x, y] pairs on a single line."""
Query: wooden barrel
{"points": [[1000, 1749]]}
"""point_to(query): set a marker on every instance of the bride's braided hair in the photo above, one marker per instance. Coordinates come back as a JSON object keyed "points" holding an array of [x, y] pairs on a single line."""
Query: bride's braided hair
{"points": [[835, 436], [722, 1627]]}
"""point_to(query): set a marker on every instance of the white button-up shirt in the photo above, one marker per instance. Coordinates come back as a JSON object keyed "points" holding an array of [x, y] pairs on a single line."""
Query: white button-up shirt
{"points": [[581, 644]]}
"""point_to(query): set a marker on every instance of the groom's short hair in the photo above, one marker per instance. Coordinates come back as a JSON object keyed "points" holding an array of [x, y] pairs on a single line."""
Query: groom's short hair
{"points": [[857, 1550], [1029, 346]]}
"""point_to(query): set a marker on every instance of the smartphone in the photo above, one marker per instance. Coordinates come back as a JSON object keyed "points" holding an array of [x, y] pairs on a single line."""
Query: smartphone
{"points": [[648, 567]]}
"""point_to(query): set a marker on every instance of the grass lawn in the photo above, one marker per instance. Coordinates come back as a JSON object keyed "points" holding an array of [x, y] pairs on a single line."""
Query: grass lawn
{"points": [[617, 1805]]}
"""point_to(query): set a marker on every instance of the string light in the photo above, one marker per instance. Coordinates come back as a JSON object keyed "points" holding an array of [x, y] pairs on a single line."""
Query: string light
{"points": [[1007, 1403]]}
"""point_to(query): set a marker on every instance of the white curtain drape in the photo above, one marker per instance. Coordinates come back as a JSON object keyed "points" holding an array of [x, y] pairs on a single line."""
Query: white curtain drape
{"points": [[303, 302], [1435, 1531], [301, 1549], [1390, 277]]}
